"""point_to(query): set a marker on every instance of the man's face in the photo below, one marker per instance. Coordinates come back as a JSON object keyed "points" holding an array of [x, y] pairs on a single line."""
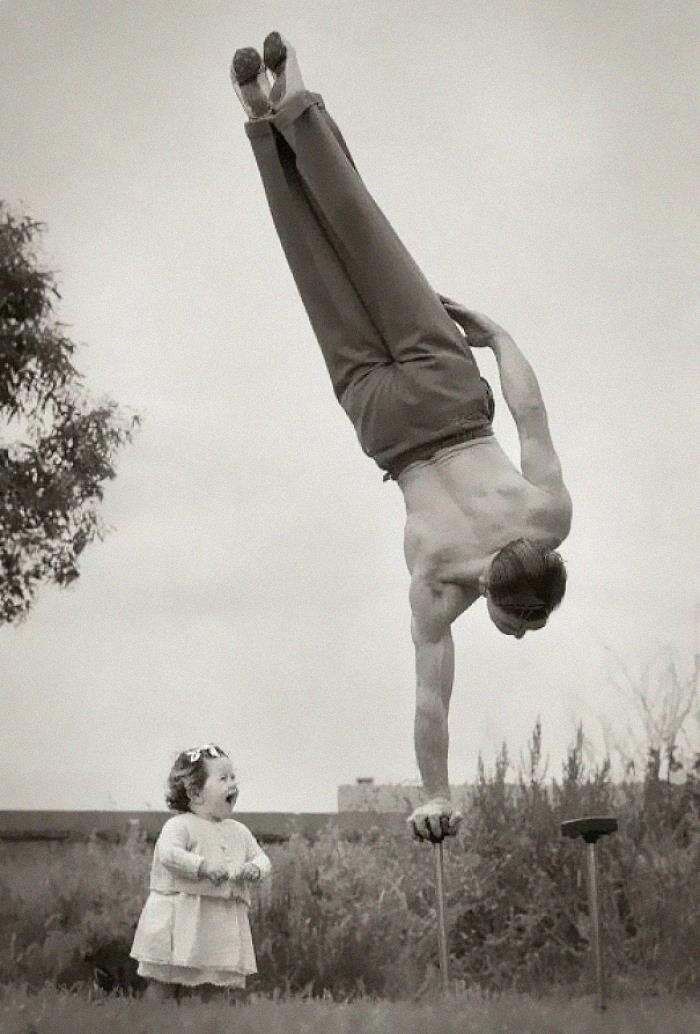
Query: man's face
{"points": [[513, 623]]}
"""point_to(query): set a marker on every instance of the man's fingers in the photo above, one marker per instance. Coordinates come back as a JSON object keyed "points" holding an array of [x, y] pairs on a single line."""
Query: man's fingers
{"points": [[419, 829], [450, 303], [427, 831], [453, 823], [435, 826], [422, 831]]}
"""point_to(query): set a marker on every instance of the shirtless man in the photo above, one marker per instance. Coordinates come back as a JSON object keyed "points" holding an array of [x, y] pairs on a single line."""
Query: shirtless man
{"points": [[405, 375]]}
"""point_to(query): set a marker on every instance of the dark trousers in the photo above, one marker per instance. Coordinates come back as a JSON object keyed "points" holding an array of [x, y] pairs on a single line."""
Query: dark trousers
{"points": [[400, 367]]}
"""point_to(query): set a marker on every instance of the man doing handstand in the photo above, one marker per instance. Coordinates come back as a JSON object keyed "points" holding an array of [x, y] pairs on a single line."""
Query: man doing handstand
{"points": [[405, 375]]}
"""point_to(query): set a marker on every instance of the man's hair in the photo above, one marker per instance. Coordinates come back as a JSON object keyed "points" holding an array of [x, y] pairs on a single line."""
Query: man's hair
{"points": [[525, 575]]}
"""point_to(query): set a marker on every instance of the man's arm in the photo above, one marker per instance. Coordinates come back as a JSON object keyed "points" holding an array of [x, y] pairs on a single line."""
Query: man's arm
{"points": [[539, 461], [433, 610], [434, 648], [538, 458]]}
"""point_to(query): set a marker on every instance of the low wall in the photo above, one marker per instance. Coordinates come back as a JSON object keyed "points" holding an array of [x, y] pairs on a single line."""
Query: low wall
{"points": [[116, 825]]}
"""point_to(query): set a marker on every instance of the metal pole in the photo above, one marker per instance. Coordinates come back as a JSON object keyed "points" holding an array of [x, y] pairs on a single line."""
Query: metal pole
{"points": [[442, 925], [595, 923]]}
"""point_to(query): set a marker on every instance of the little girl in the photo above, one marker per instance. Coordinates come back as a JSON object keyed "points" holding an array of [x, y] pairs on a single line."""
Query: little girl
{"points": [[194, 928]]}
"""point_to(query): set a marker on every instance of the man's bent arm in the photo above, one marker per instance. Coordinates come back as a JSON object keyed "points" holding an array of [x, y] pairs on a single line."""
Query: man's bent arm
{"points": [[538, 458]]}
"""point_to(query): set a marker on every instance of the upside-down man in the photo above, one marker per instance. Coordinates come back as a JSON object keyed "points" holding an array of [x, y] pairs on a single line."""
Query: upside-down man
{"points": [[405, 375]]}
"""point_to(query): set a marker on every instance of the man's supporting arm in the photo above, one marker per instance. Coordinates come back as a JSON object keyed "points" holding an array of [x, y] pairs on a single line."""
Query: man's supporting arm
{"points": [[432, 613], [434, 680]]}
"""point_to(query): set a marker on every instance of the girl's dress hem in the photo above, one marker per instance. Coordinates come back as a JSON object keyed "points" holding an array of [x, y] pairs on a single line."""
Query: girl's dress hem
{"points": [[190, 976]]}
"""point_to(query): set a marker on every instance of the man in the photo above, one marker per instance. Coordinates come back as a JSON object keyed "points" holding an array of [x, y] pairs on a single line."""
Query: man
{"points": [[406, 377]]}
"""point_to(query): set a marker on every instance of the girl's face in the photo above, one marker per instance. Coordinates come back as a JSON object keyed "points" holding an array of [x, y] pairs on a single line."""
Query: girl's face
{"points": [[217, 798]]}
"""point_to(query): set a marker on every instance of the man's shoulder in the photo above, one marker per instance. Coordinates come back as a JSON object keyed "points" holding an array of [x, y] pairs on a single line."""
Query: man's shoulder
{"points": [[551, 512]]}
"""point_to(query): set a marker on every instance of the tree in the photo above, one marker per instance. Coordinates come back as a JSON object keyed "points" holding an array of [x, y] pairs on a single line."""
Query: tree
{"points": [[57, 447]]}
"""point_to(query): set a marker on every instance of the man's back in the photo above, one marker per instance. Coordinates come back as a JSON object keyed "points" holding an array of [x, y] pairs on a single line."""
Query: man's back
{"points": [[468, 502]]}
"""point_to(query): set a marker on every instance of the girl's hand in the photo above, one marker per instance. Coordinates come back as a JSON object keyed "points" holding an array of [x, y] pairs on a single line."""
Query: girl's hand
{"points": [[250, 872], [481, 331], [216, 874]]}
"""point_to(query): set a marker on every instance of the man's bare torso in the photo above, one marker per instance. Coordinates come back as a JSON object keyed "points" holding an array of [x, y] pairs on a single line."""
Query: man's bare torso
{"points": [[462, 506]]}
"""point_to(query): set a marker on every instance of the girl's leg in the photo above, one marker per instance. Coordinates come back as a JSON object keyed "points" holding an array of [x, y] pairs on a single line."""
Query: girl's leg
{"points": [[206, 993], [159, 992], [393, 290], [349, 339]]}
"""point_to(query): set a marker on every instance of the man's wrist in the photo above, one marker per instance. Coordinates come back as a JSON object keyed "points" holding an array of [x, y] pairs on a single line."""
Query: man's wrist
{"points": [[437, 795]]}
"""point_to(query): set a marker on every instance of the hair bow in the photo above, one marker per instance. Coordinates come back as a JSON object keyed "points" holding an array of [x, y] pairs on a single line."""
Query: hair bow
{"points": [[209, 749]]}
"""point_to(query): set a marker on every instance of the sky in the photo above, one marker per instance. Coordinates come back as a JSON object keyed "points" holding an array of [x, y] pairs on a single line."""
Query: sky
{"points": [[537, 159]]}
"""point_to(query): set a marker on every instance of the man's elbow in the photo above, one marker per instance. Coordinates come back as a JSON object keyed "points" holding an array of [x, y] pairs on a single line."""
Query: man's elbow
{"points": [[563, 512]]}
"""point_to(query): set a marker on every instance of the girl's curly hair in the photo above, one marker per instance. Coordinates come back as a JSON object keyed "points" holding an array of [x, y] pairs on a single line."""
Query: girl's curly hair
{"points": [[188, 776]]}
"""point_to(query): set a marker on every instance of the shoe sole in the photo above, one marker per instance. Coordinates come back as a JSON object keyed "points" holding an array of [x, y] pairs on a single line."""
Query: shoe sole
{"points": [[274, 51], [246, 66]]}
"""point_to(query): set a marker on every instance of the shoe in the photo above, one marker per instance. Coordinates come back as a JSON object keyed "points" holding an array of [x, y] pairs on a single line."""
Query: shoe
{"points": [[250, 82], [274, 51], [280, 60]]}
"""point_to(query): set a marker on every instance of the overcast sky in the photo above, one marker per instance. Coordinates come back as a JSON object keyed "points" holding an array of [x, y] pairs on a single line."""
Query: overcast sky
{"points": [[536, 158]]}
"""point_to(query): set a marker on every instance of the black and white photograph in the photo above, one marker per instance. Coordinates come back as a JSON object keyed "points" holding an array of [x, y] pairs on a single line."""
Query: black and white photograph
{"points": [[349, 552]]}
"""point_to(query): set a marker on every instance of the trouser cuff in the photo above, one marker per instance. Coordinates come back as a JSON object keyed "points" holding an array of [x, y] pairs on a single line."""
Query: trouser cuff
{"points": [[288, 113]]}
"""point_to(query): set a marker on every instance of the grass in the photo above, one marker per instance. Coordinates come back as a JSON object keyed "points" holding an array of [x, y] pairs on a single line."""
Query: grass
{"points": [[58, 1012]]}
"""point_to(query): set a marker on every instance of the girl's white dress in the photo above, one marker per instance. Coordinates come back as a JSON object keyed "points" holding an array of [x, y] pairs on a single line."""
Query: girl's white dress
{"points": [[191, 932]]}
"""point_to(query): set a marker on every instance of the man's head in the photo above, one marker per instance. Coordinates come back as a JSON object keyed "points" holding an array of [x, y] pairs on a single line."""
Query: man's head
{"points": [[524, 584]]}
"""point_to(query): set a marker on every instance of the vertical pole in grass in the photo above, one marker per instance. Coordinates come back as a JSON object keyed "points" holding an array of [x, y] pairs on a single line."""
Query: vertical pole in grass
{"points": [[593, 910], [442, 923], [591, 829]]}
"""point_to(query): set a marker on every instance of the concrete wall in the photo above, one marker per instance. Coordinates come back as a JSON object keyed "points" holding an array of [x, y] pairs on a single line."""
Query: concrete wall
{"points": [[268, 827]]}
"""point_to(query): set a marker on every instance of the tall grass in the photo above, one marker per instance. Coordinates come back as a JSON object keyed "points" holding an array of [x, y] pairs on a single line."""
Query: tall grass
{"points": [[358, 916]]}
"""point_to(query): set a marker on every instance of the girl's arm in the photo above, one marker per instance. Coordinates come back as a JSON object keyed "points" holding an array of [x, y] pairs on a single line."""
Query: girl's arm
{"points": [[257, 865], [173, 852]]}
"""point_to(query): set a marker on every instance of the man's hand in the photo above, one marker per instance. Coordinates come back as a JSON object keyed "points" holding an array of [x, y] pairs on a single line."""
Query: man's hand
{"points": [[435, 820], [216, 874], [481, 332]]}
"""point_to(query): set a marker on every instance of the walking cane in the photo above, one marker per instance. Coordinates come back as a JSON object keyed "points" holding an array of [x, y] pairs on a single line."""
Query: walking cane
{"points": [[590, 829], [442, 923]]}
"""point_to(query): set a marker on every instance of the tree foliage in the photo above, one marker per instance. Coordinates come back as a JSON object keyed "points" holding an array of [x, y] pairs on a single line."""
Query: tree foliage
{"points": [[57, 447]]}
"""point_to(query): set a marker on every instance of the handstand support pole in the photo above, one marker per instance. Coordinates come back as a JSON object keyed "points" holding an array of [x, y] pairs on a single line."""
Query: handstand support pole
{"points": [[442, 923]]}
